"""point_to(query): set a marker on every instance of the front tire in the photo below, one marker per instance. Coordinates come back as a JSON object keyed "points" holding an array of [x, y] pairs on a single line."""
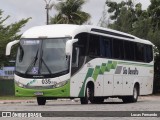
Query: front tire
{"points": [[89, 95], [84, 100], [41, 100]]}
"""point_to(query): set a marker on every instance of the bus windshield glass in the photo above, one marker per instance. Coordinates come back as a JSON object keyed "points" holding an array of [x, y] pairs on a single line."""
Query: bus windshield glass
{"points": [[42, 56]]}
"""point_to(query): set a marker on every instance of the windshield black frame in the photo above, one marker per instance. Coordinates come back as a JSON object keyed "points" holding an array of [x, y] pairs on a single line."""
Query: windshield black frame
{"points": [[39, 60]]}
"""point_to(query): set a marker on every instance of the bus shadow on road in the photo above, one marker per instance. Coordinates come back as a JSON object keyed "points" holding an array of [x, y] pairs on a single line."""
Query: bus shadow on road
{"points": [[77, 103], [111, 103]]}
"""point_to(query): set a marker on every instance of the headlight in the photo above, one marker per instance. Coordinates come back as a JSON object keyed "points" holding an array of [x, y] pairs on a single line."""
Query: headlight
{"points": [[20, 84], [60, 84]]}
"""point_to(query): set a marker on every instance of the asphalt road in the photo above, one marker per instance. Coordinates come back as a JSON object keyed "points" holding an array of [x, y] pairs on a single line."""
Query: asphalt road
{"points": [[147, 103]]}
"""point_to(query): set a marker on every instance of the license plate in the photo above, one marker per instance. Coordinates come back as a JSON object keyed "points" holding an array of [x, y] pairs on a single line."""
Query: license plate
{"points": [[38, 93]]}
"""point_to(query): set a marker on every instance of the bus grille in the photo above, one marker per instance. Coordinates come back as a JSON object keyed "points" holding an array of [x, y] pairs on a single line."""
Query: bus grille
{"points": [[39, 87]]}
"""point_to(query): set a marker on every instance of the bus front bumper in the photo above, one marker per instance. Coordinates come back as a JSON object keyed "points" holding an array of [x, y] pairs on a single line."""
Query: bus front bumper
{"points": [[60, 92]]}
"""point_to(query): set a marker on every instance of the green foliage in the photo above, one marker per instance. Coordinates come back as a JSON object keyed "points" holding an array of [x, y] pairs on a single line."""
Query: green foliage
{"points": [[8, 33], [69, 12], [123, 15], [141, 27], [154, 11]]}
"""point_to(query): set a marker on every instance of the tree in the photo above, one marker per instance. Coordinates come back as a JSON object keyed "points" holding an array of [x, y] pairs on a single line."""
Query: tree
{"points": [[69, 12], [142, 26], [154, 12], [7, 34], [104, 21], [123, 15]]}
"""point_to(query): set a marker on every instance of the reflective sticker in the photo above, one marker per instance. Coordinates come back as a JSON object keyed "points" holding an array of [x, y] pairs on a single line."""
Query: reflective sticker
{"points": [[35, 70], [118, 70], [31, 82]]}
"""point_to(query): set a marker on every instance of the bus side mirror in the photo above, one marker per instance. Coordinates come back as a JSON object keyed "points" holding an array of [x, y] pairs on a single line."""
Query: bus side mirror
{"points": [[69, 46], [9, 46]]}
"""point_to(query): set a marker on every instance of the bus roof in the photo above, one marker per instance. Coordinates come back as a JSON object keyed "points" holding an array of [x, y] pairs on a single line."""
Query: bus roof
{"points": [[67, 30]]}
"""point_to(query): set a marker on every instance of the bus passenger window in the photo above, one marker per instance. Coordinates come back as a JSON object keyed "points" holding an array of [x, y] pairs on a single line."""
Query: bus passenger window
{"points": [[129, 48], [118, 51], [139, 52], [94, 45], [148, 53], [74, 55], [105, 47]]}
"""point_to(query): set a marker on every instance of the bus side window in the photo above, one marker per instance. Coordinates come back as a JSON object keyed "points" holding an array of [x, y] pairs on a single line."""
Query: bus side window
{"points": [[75, 57], [139, 52], [94, 46], [129, 50], [118, 51], [148, 53], [105, 47], [79, 52]]}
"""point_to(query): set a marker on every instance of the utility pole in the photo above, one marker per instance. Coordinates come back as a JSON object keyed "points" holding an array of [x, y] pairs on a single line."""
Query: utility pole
{"points": [[47, 10], [49, 7]]}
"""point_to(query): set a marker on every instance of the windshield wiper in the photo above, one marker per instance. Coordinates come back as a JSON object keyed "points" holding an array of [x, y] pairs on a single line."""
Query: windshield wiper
{"points": [[46, 66], [33, 62], [42, 61]]}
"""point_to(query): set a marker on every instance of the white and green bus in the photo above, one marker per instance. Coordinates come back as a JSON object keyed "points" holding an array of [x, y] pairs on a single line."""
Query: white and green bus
{"points": [[82, 61]]}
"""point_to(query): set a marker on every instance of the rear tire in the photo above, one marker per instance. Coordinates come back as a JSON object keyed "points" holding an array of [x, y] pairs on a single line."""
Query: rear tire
{"points": [[98, 100], [41, 100], [133, 98]]}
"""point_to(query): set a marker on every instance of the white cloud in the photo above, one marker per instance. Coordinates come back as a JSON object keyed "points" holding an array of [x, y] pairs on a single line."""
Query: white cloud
{"points": [[19, 9]]}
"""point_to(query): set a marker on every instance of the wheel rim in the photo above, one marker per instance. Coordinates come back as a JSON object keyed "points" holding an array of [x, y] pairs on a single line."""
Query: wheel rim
{"points": [[135, 94], [88, 93]]}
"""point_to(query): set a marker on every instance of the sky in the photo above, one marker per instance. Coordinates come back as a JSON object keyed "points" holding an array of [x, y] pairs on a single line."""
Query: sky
{"points": [[19, 9]]}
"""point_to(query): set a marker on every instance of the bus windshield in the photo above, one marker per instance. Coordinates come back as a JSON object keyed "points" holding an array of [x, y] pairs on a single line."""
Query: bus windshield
{"points": [[42, 56]]}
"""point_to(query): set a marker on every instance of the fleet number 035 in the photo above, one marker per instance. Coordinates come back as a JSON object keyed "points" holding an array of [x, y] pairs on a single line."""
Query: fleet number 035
{"points": [[46, 81]]}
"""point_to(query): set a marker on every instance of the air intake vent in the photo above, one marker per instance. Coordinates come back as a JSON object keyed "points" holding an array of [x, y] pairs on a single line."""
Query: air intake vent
{"points": [[111, 33]]}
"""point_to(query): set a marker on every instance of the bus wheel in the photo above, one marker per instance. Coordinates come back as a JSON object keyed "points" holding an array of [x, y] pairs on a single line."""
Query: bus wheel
{"points": [[133, 98], [89, 95], [41, 100]]}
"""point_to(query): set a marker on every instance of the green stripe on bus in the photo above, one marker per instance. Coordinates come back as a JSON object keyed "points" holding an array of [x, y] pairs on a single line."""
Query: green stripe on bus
{"points": [[105, 67], [99, 70], [114, 64], [89, 74], [136, 64], [94, 72]]}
